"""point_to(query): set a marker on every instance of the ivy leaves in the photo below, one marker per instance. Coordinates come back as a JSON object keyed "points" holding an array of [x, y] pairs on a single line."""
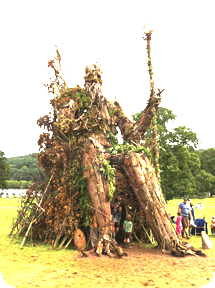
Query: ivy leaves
{"points": [[85, 201], [126, 147], [109, 173]]}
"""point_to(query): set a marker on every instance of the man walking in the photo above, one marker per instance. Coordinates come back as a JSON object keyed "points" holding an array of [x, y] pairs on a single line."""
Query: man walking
{"points": [[184, 208]]}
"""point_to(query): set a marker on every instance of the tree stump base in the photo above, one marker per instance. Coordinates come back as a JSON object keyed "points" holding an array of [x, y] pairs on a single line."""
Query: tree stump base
{"points": [[185, 249]]}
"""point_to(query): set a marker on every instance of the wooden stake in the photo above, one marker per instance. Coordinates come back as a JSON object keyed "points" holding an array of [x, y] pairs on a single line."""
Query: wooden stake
{"points": [[67, 244], [57, 240], [31, 236], [148, 235], [63, 241], [39, 206], [26, 235], [46, 189], [136, 237]]}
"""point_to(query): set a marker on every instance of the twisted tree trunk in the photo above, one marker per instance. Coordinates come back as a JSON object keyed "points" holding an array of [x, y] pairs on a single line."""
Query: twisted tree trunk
{"points": [[147, 189]]}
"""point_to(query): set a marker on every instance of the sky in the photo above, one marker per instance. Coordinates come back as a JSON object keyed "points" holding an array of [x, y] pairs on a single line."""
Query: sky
{"points": [[110, 33]]}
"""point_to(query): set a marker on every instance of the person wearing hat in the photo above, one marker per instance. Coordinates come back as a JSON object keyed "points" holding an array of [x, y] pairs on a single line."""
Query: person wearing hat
{"points": [[184, 208]]}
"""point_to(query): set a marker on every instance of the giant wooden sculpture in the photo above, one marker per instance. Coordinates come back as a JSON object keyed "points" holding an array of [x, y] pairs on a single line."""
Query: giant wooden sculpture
{"points": [[84, 169]]}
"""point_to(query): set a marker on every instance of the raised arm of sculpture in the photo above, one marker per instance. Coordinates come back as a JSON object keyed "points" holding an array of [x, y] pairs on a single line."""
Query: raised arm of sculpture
{"points": [[133, 131]]}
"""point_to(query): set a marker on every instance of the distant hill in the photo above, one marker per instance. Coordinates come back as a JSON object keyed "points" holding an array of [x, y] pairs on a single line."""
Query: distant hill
{"points": [[25, 168]]}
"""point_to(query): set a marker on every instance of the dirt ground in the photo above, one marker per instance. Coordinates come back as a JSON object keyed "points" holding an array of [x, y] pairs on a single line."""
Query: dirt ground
{"points": [[150, 267], [142, 267]]}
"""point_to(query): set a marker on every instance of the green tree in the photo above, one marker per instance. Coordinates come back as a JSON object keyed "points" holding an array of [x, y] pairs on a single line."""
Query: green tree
{"points": [[176, 176], [180, 166], [16, 174], [205, 183], [4, 171], [207, 158]]}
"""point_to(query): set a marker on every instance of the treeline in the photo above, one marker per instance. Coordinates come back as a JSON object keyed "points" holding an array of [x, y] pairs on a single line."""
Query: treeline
{"points": [[23, 171], [207, 159], [13, 184], [4, 171]]}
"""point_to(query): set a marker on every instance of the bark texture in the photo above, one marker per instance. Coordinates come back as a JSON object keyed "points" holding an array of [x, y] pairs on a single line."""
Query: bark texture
{"points": [[97, 184]]}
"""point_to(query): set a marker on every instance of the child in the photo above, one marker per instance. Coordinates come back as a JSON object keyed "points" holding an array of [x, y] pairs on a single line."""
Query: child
{"points": [[179, 224], [127, 226], [213, 225]]}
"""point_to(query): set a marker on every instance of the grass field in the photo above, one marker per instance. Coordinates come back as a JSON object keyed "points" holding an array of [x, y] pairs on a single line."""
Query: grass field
{"points": [[41, 266]]}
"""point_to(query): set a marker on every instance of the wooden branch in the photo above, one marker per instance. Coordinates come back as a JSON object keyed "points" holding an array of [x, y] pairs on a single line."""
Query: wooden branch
{"points": [[136, 237], [98, 211], [67, 244], [39, 206], [26, 235], [45, 190], [64, 135], [63, 241], [148, 235]]}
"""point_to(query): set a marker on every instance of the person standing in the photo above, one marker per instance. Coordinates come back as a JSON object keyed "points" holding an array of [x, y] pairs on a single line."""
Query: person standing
{"points": [[184, 208], [213, 225], [192, 210], [116, 216], [127, 226], [191, 221], [179, 224]]}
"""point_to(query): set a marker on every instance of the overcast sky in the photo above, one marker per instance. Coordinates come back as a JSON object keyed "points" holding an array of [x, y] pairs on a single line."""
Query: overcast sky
{"points": [[183, 58]]}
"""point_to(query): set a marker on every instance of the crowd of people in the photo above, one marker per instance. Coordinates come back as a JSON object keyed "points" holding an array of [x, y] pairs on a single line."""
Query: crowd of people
{"points": [[186, 218]]}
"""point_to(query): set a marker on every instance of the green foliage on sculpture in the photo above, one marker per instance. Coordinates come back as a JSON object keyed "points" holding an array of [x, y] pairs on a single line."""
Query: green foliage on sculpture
{"points": [[85, 201], [126, 147], [109, 172]]}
